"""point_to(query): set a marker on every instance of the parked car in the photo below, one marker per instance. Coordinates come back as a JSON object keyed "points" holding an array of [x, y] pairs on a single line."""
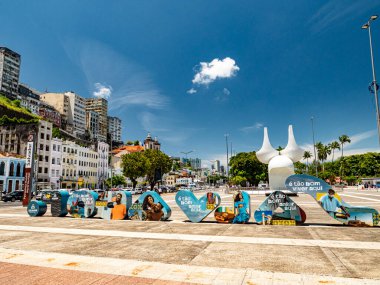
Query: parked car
{"points": [[138, 190], [132, 191], [13, 196]]}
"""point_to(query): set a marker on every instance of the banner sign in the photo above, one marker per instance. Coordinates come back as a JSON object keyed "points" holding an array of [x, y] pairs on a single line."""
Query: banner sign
{"points": [[29, 167], [149, 207]]}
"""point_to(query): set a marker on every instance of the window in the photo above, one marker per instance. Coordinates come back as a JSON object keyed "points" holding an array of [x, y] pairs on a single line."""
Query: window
{"points": [[64, 149], [42, 136], [63, 160], [39, 169], [58, 161], [52, 172], [57, 173], [41, 147], [54, 147], [40, 158], [53, 160], [2, 168], [48, 137], [18, 170], [59, 148], [46, 170], [63, 172], [47, 148], [46, 158]]}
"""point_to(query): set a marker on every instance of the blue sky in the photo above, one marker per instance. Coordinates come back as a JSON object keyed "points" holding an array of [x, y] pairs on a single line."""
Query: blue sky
{"points": [[251, 63]]}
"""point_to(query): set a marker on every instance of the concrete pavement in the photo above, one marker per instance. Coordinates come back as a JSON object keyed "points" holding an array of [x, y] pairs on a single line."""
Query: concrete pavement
{"points": [[322, 252]]}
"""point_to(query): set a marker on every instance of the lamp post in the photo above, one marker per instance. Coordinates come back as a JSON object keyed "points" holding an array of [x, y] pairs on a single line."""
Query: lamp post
{"points": [[315, 152], [227, 168], [367, 26], [186, 153]]}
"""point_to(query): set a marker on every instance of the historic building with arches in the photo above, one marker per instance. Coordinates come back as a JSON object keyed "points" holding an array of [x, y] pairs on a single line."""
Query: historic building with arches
{"points": [[11, 174]]}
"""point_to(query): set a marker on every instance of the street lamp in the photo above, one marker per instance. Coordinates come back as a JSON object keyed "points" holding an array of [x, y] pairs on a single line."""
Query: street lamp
{"points": [[315, 152], [367, 26], [227, 168], [186, 153]]}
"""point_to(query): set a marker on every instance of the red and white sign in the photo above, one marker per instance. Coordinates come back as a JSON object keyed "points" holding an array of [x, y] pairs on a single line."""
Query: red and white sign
{"points": [[28, 171]]}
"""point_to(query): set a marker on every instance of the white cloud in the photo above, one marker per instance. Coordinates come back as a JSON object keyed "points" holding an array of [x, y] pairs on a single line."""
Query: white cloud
{"points": [[210, 71], [361, 136], [252, 128], [223, 96], [191, 91], [102, 91]]}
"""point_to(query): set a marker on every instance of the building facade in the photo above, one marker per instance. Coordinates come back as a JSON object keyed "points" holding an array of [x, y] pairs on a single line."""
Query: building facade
{"points": [[69, 165], [87, 168], [56, 163], [150, 143], [10, 62], [92, 123], [49, 113], [114, 128], [43, 150], [61, 103], [100, 106], [30, 98], [103, 154], [78, 111], [12, 172]]}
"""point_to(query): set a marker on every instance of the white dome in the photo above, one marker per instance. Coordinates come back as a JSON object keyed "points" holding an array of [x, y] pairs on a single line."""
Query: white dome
{"points": [[280, 161]]}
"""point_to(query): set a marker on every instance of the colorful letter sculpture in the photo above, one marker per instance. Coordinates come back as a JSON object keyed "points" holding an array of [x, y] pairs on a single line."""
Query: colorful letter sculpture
{"points": [[332, 204], [57, 199], [36, 208], [149, 207], [266, 213], [103, 204], [197, 209], [239, 214], [81, 204]]}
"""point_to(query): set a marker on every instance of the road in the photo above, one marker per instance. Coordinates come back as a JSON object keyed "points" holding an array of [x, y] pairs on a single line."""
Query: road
{"points": [[95, 251]]}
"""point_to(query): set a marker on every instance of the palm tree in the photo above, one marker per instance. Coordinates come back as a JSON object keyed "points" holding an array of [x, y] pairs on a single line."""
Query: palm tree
{"points": [[307, 155], [323, 152], [333, 146], [344, 139]]}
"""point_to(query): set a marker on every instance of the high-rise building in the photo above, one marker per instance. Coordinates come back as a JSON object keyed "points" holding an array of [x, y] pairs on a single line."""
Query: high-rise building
{"points": [[71, 106], [195, 163], [9, 72], [92, 123], [114, 128], [217, 165], [99, 105], [77, 105], [43, 153], [62, 104]]}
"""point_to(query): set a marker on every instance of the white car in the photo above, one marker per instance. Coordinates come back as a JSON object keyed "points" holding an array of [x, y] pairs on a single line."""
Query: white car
{"points": [[132, 191], [138, 190]]}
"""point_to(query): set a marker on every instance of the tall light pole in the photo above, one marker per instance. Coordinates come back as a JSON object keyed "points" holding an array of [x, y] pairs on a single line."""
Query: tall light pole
{"points": [[186, 153], [315, 152], [367, 26], [228, 172]]}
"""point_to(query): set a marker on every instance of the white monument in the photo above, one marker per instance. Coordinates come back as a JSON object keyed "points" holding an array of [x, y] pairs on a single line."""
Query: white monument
{"points": [[280, 163]]}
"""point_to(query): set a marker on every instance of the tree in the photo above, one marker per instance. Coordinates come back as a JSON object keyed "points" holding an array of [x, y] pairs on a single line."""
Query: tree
{"points": [[323, 152], [280, 148], [344, 139], [129, 143], [333, 146], [246, 164], [136, 142], [116, 180], [238, 180], [159, 164], [134, 165], [307, 155]]}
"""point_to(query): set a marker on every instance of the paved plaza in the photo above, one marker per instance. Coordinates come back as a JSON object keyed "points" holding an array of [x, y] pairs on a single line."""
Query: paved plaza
{"points": [[49, 250]]}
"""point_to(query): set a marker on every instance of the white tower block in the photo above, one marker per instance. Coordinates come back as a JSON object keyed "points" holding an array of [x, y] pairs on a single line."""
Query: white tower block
{"points": [[266, 152]]}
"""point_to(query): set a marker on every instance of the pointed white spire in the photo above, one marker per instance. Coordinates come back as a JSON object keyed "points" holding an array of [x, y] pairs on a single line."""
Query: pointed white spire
{"points": [[292, 150], [267, 152]]}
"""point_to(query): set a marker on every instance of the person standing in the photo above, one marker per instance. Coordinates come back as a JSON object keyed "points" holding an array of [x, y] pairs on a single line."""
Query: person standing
{"points": [[119, 211]]}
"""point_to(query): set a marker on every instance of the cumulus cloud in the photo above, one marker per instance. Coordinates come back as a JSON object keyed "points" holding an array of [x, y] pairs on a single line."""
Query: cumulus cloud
{"points": [[191, 91], [216, 69], [102, 91]]}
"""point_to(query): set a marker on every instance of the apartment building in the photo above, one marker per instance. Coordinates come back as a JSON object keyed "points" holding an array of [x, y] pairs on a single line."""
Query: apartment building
{"points": [[69, 165], [114, 128], [56, 163], [103, 153], [78, 111], [10, 62], [30, 98], [61, 103], [87, 168], [100, 106], [92, 123], [43, 151]]}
